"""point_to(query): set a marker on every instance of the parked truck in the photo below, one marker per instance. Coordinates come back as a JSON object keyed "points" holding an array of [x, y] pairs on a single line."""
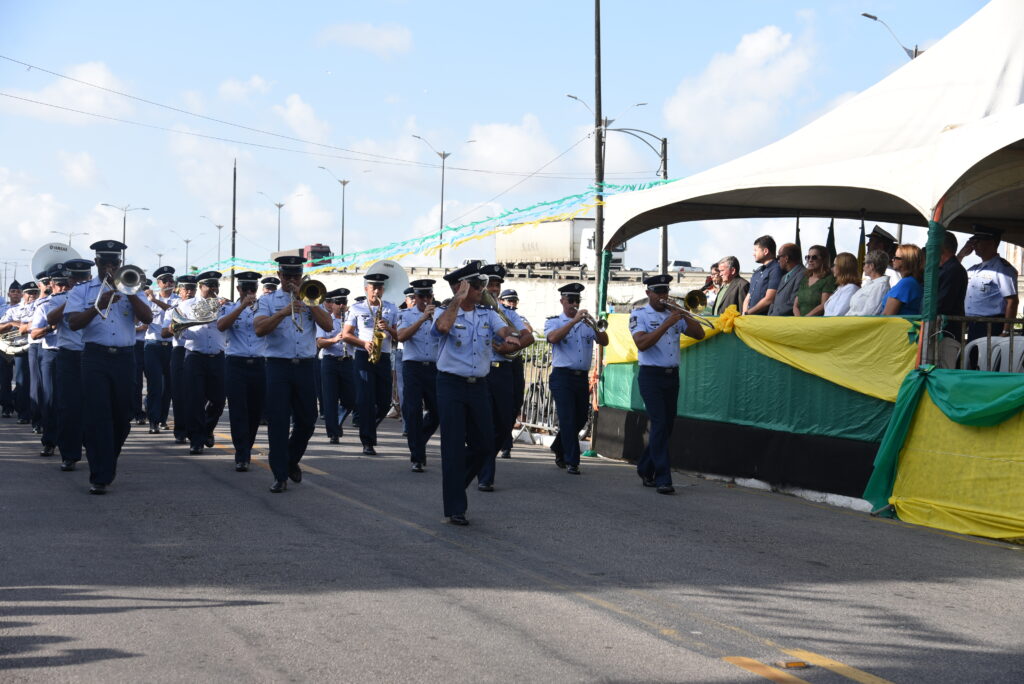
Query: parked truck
{"points": [[553, 244]]}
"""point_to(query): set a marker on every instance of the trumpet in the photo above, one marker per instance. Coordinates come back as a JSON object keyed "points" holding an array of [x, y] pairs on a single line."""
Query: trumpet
{"points": [[311, 293], [687, 313], [599, 325], [127, 280], [487, 299]]}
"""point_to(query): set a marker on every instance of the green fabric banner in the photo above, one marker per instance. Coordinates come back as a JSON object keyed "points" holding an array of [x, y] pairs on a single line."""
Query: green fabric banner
{"points": [[977, 398], [723, 380]]}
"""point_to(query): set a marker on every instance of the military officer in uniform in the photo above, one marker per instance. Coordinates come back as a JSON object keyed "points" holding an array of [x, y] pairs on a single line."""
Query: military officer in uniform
{"points": [[501, 380], [45, 331], [36, 294], [179, 398], [288, 326], [245, 375], [466, 331], [156, 351], [419, 371], [572, 347], [991, 284], [656, 330], [138, 408], [107, 361], [204, 365], [336, 365], [68, 372], [270, 284], [6, 362], [23, 365], [12, 320], [373, 380]]}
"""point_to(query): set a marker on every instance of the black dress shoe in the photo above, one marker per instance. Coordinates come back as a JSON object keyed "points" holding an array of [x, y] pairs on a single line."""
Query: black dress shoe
{"points": [[572, 469], [98, 489], [154, 429], [241, 467], [559, 462], [163, 426], [369, 451], [67, 466], [666, 489], [22, 421], [335, 440], [36, 429], [649, 482], [295, 473], [47, 450], [278, 486], [485, 487], [5, 414], [180, 440], [417, 467], [458, 519], [195, 451], [209, 441], [140, 421], [505, 454]]}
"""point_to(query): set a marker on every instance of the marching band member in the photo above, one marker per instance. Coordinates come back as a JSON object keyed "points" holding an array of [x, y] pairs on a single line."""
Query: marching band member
{"points": [[398, 390], [335, 365], [572, 347], [291, 393], [138, 410], [7, 363], [373, 380], [106, 362], [656, 329], [465, 330], [12, 369], [157, 350], [245, 376], [68, 380], [179, 389], [45, 331], [203, 368], [419, 371], [39, 289], [270, 284], [510, 298], [22, 365], [501, 381]]}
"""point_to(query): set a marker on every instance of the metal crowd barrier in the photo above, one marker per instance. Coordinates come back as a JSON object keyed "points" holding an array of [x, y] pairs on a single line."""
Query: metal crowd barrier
{"points": [[538, 413]]}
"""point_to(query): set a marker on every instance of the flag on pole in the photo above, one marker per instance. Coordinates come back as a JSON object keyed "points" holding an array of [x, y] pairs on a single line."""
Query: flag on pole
{"points": [[830, 243], [861, 249], [796, 240]]}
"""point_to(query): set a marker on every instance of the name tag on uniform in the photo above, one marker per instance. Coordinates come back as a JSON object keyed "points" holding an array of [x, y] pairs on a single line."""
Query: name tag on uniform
{"points": [[458, 326]]}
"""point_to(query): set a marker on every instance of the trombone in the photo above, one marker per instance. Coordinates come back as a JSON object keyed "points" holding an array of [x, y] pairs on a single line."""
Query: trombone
{"points": [[311, 293], [127, 280], [687, 312]]}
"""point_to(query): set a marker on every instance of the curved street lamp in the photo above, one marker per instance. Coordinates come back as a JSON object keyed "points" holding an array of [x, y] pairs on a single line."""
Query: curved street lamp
{"points": [[342, 183], [910, 53]]}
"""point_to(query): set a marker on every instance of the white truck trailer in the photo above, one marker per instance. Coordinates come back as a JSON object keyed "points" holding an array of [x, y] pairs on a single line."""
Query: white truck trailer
{"points": [[553, 244]]}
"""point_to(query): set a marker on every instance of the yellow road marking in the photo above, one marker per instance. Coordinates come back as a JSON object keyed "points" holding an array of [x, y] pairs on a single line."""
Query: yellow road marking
{"points": [[766, 671], [837, 667]]}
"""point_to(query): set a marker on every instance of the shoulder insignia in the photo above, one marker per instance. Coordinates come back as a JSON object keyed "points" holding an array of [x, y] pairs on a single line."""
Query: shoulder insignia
{"points": [[550, 317]]}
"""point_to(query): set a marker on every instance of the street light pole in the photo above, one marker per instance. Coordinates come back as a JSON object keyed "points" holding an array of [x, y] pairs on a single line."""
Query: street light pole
{"points": [[912, 54], [278, 205], [444, 157], [70, 235], [342, 182], [187, 240], [124, 221], [218, 226], [662, 153]]}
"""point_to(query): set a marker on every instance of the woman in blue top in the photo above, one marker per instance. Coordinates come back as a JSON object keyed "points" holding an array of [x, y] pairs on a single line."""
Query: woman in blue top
{"points": [[904, 298]]}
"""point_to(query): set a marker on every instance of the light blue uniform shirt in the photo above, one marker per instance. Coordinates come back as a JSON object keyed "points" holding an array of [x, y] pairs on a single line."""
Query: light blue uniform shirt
{"points": [[30, 316], [665, 352], [204, 339], [466, 349], [422, 346], [14, 314], [161, 318], [575, 349], [361, 318], [286, 342], [116, 330], [515, 322], [338, 348], [988, 285], [67, 338], [241, 336], [49, 340]]}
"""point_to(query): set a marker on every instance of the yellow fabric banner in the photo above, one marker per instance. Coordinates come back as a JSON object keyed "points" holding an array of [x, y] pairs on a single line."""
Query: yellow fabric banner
{"points": [[870, 355], [961, 478]]}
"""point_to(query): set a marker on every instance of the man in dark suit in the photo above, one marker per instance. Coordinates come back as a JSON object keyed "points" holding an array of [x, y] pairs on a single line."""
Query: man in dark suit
{"points": [[792, 274], [734, 288]]}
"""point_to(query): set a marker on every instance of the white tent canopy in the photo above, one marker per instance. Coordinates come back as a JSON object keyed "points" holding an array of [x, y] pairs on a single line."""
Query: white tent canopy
{"points": [[945, 129]]}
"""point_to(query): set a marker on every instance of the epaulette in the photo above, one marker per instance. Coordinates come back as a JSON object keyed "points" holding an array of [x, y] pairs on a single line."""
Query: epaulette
{"points": [[550, 317], [485, 306]]}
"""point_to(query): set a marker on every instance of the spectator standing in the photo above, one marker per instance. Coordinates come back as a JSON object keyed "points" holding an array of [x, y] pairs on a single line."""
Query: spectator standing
{"points": [[869, 300], [817, 285], [904, 298], [792, 274], [991, 285], [952, 285], [764, 283], [712, 286], [734, 288], [879, 238], [847, 284]]}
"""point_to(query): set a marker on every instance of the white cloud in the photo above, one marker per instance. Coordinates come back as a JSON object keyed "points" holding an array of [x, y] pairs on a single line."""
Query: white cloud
{"points": [[301, 118], [78, 169], [28, 215], [385, 40], [66, 93], [522, 147], [194, 101], [736, 103], [235, 90]]}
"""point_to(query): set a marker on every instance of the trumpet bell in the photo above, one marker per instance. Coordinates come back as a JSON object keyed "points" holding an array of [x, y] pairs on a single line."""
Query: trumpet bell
{"points": [[696, 300], [129, 279], [312, 292]]}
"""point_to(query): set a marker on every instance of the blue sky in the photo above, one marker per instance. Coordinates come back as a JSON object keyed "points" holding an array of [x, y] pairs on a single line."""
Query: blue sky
{"points": [[719, 80]]}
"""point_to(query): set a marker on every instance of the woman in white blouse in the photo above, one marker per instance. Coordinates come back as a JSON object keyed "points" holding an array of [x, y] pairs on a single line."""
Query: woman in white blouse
{"points": [[847, 283], [869, 300]]}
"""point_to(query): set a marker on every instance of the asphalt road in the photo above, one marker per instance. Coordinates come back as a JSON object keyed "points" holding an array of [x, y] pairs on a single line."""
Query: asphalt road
{"points": [[189, 571]]}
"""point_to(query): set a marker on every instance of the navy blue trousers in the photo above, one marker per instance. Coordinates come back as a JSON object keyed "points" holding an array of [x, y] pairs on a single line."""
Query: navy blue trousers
{"points": [[140, 367], [467, 436], [518, 391], [47, 395], [659, 388], [501, 383], [419, 393], [34, 382], [178, 392], [69, 404], [291, 406], [157, 356], [337, 380], [107, 416], [373, 394], [571, 393], [6, 378], [246, 381], [22, 382], [204, 375]]}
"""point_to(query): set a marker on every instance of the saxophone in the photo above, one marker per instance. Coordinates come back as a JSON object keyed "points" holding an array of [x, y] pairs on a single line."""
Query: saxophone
{"points": [[377, 341]]}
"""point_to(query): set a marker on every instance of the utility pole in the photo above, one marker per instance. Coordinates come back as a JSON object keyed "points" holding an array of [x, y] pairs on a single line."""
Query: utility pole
{"points": [[598, 162], [234, 231]]}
